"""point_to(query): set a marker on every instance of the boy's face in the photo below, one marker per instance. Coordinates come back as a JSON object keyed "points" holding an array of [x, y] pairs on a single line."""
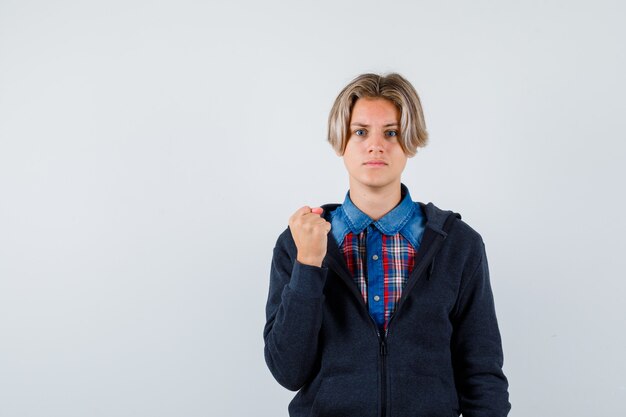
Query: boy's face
{"points": [[373, 155]]}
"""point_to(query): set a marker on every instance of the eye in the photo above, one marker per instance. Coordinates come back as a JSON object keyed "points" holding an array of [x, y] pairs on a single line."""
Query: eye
{"points": [[391, 133], [359, 132]]}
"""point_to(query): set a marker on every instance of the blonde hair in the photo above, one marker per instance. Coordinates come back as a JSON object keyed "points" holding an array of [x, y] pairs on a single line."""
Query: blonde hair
{"points": [[392, 87]]}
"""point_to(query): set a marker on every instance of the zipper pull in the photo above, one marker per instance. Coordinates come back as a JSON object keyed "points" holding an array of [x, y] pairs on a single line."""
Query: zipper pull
{"points": [[383, 348]]}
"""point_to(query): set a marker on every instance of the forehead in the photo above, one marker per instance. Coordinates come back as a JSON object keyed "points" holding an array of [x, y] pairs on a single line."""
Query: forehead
{"points": [[369, 110]]}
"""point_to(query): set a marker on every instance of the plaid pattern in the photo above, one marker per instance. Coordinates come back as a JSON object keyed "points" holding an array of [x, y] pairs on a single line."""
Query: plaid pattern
{"points": [[398, 261], [353, 249]]}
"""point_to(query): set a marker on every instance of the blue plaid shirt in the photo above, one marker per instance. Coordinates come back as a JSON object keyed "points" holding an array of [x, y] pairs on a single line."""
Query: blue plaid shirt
{"points": [[380, 254]]}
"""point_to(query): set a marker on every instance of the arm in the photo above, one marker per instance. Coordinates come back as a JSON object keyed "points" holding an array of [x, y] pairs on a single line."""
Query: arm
{"points": [[295, 301], [477, 348], [294, 318]]}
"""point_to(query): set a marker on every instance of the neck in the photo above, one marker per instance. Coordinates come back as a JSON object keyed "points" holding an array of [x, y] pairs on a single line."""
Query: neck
{"points": [[376, 202]]}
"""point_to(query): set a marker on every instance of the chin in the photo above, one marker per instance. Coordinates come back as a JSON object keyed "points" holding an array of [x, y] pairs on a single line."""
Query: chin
{"points": [[378, 183]]}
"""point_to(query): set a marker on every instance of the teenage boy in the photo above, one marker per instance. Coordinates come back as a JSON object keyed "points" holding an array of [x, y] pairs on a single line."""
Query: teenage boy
{"points": [[382, 306]]}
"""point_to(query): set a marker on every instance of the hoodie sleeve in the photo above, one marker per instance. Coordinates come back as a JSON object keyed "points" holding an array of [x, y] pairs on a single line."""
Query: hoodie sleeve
{"points": [[294, 316], [477, 348]]}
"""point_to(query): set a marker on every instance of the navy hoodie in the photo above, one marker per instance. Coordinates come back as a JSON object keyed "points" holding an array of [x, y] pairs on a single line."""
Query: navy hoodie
{"points": [[441, 356]]}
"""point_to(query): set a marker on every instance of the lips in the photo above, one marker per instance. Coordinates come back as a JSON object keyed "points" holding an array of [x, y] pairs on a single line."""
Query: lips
{"points": [[375, 163]]}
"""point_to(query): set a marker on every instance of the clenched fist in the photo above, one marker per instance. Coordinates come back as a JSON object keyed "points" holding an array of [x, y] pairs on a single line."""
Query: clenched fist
{"points": [[310, 233]]}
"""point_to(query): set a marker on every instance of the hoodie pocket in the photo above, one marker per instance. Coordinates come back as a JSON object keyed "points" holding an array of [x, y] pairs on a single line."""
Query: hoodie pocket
{"points": [[414, 395], [346, 396]]}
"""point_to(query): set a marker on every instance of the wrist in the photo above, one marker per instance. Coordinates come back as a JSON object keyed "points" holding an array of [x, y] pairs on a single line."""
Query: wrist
{"points": [[311, 261]]}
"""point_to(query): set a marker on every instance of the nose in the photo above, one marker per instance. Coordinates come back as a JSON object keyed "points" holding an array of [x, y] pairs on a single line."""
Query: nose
{"points": [[377, 142]]}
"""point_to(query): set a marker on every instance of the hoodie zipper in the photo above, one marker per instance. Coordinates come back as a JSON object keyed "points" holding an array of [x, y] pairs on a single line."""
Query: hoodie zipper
{"points": [[382, 339], [382, 342], [383, 376]]}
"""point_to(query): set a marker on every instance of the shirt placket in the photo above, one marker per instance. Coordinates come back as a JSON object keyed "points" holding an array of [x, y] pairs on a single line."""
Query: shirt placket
{"points": [[375, 276]]}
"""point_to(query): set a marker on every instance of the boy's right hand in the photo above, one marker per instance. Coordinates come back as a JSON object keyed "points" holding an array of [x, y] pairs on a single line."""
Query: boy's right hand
{"points": [[310, 233]]}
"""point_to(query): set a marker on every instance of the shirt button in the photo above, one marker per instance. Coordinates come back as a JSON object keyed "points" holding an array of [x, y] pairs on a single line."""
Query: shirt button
{"points": [[375, 257], [376, 298]]}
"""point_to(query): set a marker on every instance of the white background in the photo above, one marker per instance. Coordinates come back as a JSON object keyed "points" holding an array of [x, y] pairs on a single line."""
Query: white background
{"points": [[152, 151]]}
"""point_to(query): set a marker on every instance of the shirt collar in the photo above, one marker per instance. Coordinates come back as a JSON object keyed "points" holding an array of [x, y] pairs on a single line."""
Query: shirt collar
{"points": [[390, 224]]}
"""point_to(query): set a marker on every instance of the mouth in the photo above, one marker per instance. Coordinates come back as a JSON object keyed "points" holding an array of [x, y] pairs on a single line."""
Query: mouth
{"points": [[375, 163]]}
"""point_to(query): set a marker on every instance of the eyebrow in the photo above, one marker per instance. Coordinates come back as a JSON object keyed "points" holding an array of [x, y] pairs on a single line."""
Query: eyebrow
{"points": [[366, 125]]}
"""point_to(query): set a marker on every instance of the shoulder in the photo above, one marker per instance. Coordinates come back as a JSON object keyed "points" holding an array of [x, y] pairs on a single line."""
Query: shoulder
{"points": [[463, 249], [460, 234], [285, 240]]}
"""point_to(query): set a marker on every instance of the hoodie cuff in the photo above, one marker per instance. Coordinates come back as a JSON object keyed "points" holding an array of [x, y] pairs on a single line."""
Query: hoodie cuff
{"points": [[308, 280]]}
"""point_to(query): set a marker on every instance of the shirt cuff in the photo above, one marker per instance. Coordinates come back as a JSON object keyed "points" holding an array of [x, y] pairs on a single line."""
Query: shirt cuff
{"points": [[308, 279]]}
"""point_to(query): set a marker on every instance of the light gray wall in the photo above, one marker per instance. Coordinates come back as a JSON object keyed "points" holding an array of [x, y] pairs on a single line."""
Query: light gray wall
{"points": [[152, 151]]}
